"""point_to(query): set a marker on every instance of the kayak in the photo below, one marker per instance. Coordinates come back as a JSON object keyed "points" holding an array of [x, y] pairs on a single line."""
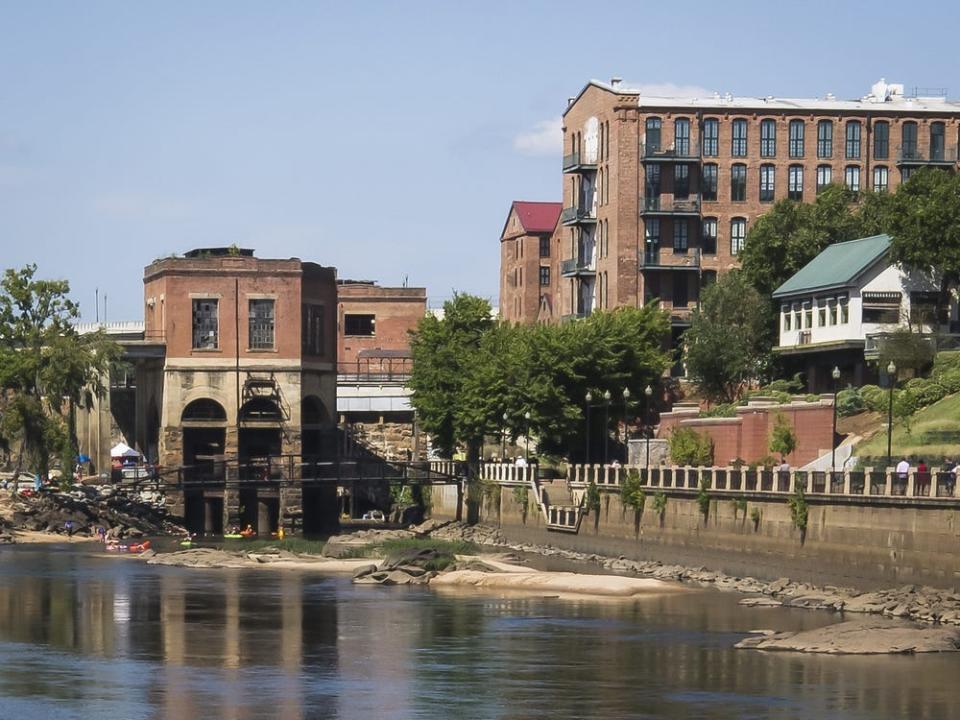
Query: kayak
{"points": [[186, 543], [233, 536], [135, 548]]}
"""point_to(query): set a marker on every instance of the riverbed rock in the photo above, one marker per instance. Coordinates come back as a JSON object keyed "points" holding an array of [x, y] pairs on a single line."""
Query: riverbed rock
{"points": [[872, 636], [760, 602]]}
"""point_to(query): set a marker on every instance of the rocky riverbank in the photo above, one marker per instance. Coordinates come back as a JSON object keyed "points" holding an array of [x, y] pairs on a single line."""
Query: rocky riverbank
{"points": [[866, 636]]}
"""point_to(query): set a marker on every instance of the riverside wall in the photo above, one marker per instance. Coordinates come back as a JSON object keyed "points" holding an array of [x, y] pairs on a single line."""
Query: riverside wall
{"points": [[867, 544]]}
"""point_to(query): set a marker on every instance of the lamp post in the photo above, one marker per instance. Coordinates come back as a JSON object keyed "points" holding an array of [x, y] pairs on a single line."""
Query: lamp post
{"points": [[526, 450], [606, 426], [647, 394], [503, 438], [626, 405], [833, 439], [891, 375], [586, 457]]}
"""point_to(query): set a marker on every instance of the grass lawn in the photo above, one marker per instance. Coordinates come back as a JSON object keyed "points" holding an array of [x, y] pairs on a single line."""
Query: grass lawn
{"points": [[934, 434]]}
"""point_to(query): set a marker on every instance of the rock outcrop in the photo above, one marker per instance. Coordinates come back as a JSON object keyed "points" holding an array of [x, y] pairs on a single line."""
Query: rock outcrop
{"points": [[865, 636]]}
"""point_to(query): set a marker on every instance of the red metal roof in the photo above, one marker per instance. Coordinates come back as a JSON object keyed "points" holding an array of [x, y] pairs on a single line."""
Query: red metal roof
{"points": [[538, 217]]}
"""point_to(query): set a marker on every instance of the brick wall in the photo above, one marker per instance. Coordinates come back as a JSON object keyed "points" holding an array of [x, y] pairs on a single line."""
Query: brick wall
{"points": [[396, 312]]}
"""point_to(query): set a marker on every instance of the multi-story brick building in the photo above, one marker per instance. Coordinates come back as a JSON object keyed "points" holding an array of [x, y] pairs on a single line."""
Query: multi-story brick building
{"points": [[658, 193], [529, 262], [373, 400]]}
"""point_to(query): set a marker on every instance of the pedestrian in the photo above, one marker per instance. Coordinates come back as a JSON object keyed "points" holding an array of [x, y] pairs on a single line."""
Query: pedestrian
{"points": [[903, 471], [521, 461], [69, 527]]}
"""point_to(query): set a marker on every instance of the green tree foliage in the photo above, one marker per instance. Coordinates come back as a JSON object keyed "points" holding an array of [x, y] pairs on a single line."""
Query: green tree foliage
{"points": [[632, 494], [783, 440], [44, 367], [729, 340], [592, 497], [924, 220], [908, 350], [703, 498], [849, 402], [442, 349], [471, 379], [688, 447], [791, 234]]}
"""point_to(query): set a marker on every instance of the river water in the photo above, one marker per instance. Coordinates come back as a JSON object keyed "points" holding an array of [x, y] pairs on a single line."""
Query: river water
{"points": [[88, 636]]}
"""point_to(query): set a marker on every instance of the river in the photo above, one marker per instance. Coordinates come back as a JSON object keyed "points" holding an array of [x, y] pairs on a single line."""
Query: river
{"points": [[83, 635]]}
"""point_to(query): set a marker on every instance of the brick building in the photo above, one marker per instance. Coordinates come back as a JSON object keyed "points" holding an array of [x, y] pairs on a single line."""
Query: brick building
{"points": [[658, 193], [529, 262], [373, 402]]}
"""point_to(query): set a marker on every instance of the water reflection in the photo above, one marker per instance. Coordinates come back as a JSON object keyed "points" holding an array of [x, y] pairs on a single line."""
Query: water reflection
{"points": [[82, 636]]}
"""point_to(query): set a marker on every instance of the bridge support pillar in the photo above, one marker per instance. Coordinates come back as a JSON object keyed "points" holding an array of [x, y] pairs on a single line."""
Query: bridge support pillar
{"points": [[176, 505], [291, 509], [231, 508]]}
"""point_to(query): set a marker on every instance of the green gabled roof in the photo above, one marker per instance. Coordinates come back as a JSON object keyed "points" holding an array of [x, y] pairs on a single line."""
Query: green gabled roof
{"points": [[838, 266]]}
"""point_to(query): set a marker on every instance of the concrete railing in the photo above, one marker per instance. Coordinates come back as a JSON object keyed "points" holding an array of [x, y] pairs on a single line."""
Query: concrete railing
{"points": [[935, 484], [508, 473]]}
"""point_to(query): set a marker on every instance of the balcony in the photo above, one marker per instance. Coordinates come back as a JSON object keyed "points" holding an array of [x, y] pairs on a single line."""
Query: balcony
{"points": [[657, 259], [577, 216], [683, 152], [913, 155], [578, 162], [577, 267], [667, 205]]}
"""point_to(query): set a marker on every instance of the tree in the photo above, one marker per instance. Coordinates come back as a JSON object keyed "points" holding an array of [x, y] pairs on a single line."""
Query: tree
{"points": [[783, 440], [924, 222], [44, 366], [729, 340], [441, 349], [791, 234], [688, 447]]}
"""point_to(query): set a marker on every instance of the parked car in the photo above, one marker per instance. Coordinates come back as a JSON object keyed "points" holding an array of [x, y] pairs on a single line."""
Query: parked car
{"points": [[374, 515]]}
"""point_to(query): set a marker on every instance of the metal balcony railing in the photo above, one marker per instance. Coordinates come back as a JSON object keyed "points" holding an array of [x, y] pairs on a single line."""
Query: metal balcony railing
{"points": [[682, 152], [577, 266], [915, 155], [672, 259], [666, 205], [578, 161], [574, 215]]}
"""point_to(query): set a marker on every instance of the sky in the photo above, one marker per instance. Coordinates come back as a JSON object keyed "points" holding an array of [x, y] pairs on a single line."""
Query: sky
{"points": [[387, 139]]}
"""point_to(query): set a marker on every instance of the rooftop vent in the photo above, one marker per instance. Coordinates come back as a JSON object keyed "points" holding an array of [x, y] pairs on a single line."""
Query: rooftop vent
{"points": [[615, 82]]}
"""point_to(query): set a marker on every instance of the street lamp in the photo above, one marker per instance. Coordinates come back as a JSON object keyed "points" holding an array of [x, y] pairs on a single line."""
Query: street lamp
{"points": [[503, 438], [833, 439], [626, 406], [891, 375], [586, 457], [526, 451], [606, 426], [647, 394]]}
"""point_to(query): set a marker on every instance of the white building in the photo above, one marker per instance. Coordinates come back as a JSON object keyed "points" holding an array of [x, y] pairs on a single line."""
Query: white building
{"points": [[835, 311]]}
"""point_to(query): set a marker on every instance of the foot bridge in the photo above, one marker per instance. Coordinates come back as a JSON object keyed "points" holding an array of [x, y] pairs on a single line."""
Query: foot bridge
{"points": [[298, 493]]}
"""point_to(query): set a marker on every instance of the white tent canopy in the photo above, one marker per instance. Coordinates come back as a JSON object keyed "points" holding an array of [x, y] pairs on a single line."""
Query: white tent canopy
{"points": [[123, 450]]}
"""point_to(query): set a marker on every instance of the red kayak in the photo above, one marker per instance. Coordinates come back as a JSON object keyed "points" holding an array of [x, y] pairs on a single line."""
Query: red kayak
{"points": [[135, 548]]}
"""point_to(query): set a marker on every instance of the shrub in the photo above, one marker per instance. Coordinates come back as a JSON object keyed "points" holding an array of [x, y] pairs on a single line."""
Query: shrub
{"points": [[799, 511], [811, 397], [767, 461], [950, 380], [755, 516], [783, 440], [632, 494], [905, 404], [849, 402], [739, 506], [945, 362], [874, 398], [721, 410], [927, 391], [593, 497], [688, 447], [703, 498], [793, 385], [660, 504]]}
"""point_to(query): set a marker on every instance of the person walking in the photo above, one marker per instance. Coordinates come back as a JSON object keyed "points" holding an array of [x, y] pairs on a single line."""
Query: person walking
{"points": [[903, 471]]}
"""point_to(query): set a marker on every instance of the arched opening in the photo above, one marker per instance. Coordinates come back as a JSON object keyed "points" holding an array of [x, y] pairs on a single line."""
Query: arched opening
{"points": [[204, 423], [260, 439]]}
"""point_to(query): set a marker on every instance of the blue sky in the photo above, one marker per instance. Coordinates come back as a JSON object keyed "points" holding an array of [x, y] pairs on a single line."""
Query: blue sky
{"points": [[387, 139]]}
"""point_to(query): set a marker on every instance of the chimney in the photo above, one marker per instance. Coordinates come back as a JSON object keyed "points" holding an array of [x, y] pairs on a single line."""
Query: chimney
{"points": [[615, 82]]}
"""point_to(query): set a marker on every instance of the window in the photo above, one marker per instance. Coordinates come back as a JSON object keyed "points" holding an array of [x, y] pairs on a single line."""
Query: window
{"points": [[206, 324], [824, 177], [908, 144], [681, 137], [797, 317], [821, 313], [738, 183], [795, 182], [359, 325], [261, 324], [905, 173], [832, 307], [738, 145], [311, 337], [767, 178], [881, 140], [808, 315], [652, 240], [881, 315], [785, 311], [680, 230], [738, 233], [825, 139], [796, 138], [653, 136], [709, 236], [851, 177], [853, 140], [881, 179], [937, 141], [711, 137], [681, 181], [844, 311], [768, 138], [544, 247], [709, 183], [652, 187], [544, 275], [681, 296]]}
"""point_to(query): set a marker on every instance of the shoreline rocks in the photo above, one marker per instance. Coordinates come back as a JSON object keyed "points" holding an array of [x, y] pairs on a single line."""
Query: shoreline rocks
{"points": [[873, 636]]}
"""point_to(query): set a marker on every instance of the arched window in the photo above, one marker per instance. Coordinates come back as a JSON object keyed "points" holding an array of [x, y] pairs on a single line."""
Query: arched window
{"points": [[260, 409], [204, 409], [711, 137], [652, 139], [824, 177], [681, 137], [738, 235], [908, 141], [853, 140], [881, 179], [738, 139], [796, 138], [881, 140], [795, 182], [738, 182], [768, 138], [768, 175], [937, 141], [709, 236], [825, 139]]}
